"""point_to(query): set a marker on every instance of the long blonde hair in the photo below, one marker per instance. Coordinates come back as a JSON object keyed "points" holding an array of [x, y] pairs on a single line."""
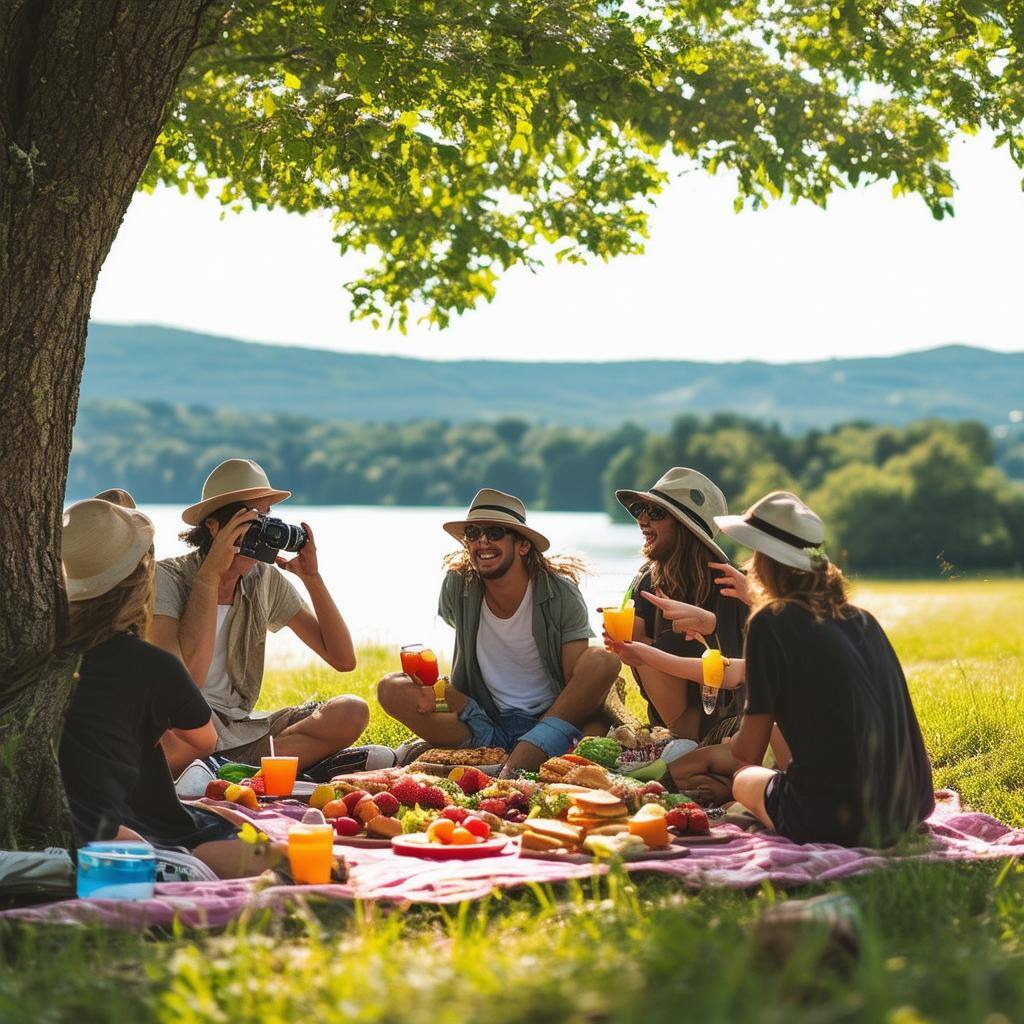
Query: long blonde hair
{"points": [[822, 591], [572, 567], [684, 575], [125, 608]]}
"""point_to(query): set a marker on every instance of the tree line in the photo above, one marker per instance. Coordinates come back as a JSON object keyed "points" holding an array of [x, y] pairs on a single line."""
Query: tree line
{"points": [[910, 498]]}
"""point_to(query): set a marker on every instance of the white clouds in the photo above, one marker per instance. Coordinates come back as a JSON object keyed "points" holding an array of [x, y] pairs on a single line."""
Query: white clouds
{"points": [[868, 276]]}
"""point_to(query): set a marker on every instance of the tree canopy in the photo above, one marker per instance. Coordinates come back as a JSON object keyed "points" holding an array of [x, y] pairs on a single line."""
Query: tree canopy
{"points": [[452, 140]]}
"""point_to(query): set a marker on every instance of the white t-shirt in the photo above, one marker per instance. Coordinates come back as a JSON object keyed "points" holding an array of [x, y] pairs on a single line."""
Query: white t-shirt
{"points": [[510, 662], [217, 688]]}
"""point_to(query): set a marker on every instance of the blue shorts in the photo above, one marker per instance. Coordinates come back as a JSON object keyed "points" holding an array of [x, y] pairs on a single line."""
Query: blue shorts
{"points": [[553, 735]]}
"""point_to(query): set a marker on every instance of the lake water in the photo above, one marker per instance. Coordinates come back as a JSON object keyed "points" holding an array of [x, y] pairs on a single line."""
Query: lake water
{"points": [[383, 566]]}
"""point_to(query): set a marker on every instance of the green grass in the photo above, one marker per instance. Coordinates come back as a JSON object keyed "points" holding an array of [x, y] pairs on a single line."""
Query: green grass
{"points": [[941, 942]]}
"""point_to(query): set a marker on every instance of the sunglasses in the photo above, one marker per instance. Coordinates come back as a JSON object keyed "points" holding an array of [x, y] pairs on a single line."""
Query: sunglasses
{"points": [[653, 512], [492, 533]]}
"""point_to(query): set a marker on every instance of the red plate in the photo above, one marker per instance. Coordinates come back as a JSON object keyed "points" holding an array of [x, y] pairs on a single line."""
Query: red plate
{"points": [[417, 845]]}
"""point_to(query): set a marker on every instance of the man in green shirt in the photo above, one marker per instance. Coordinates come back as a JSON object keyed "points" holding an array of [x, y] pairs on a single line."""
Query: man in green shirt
{"points": [[523, 674]]}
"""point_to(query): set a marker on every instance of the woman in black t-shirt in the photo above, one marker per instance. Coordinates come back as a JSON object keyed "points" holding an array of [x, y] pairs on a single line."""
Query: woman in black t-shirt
{"points": [[128, 696], [684, 564], [856, 771]]}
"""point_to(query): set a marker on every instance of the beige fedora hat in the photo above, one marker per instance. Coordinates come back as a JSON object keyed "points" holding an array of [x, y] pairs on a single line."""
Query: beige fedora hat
{"points": [[691, 498], [118, 496], [780, 526], [490, 506], [101, 544], [233, 480]]}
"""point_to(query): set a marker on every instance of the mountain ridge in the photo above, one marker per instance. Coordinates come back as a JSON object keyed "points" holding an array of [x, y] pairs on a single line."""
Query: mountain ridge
{"points": [[949, 381]]}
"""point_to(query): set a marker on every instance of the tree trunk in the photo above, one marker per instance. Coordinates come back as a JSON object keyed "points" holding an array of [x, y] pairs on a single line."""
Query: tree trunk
{"points": [[84, 86]]}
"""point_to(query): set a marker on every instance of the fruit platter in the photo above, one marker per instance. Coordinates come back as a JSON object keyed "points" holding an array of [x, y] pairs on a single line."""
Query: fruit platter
{"points": [[571, 807]]}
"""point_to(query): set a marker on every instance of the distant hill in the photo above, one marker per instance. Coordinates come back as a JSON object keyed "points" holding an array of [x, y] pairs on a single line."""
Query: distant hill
{"points": [[147, 363]]}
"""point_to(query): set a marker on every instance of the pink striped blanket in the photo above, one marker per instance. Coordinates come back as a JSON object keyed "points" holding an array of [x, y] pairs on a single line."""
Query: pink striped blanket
{"points": [[746, 860]]}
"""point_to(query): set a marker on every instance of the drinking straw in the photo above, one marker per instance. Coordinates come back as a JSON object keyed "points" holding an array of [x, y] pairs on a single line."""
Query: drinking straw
{"points": [[271, 744], [625, 600]]}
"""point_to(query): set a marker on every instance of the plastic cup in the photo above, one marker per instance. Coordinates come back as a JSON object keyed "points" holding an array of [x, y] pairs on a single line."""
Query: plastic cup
{"points": [[713, 665], [310, 853], [279, 774], [618, 622]]}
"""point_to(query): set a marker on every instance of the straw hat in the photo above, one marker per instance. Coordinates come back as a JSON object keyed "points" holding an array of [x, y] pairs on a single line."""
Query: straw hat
{"points": [[780, 526], [490, 506], [234, 480], [118, 496], [102, 543], [691, 498]]}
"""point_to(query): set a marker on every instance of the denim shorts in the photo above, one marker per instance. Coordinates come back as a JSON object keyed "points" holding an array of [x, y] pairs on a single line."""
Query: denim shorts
{"points": [[552, 735]]}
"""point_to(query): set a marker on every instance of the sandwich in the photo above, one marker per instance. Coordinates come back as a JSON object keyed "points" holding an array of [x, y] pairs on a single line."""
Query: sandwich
{"points": [[550, 834]]}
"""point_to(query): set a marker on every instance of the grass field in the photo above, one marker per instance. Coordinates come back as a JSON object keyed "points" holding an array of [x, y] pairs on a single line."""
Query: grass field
{"points": [[940, 942]]}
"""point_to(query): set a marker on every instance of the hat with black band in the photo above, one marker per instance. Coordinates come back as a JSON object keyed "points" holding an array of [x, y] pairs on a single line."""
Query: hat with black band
{"points": [[491, 507], [690, 498], [780, 526]]}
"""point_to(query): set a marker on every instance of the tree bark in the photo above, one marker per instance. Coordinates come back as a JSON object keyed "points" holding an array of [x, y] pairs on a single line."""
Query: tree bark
{"points": [[84, 87]]}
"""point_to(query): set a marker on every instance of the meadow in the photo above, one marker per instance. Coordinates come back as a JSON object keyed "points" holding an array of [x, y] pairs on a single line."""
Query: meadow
{"points": [[939, 942]]}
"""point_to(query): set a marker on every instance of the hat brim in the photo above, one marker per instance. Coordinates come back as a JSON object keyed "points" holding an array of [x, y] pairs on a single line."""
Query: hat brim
{"points": [[626, 498], [457, 528], [757, 540], [96, 586], [195, 514]]}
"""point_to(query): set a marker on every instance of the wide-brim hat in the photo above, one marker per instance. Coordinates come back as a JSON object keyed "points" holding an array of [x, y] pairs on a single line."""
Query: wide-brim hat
{"points": [[233, 480], [101, 545], [490, 506], [691, 499], [780, 526], [117, 496]]}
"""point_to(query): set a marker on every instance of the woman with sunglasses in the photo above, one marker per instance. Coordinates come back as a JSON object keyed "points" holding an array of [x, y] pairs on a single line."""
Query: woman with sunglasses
{"points": [[684, 564]]}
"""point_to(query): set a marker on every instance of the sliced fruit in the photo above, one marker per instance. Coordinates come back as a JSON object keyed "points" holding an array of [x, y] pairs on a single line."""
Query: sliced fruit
{"points": [[440, 830], [322, 796], [653, 831], [477, 827], [366, 810], [462, 836], [351, 799], [336, 809], [347, 826]]}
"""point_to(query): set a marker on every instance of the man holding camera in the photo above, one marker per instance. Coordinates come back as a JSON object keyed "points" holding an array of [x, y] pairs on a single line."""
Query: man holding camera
{"points": [[214, 606]]}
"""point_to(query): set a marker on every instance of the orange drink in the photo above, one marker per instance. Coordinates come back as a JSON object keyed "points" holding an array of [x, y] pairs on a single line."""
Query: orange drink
{"points": [[618, 622], [713, 666], [420, 664], [309, 853], [279, 774]]}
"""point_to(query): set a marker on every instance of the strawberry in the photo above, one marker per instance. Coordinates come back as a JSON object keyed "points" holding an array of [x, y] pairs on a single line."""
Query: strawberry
{"points": [[258, 785], [347, 827], [678, 818], [216, 789], [408, 791], [493, 806], [472, 781], [652, 789], [387, 803], [477, 827], [456, 814], [433, 796], [699, 824]]}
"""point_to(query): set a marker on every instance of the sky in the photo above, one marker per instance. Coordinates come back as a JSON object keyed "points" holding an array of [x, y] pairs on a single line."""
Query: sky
{"points": [[868, 276]]}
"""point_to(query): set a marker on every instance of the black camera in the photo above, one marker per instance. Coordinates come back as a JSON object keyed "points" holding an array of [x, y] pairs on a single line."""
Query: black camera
{"points": [[267, 536]]}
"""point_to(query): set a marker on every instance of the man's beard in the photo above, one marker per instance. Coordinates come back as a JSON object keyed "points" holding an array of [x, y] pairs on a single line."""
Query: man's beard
{"points": [[494, 570]]}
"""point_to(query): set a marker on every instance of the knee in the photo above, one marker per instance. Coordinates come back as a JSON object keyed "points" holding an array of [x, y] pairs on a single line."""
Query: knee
{"points": [[598, 666], [392, 691], [349, 712]]}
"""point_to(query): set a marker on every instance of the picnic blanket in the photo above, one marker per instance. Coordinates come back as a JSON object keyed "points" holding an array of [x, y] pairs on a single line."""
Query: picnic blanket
{"points": [[746, 860]]}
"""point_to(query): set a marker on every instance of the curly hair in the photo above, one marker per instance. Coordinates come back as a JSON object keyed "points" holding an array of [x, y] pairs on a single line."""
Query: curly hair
{"points": [[572, 567], [126, 608], [200, 536], [823, 590]]}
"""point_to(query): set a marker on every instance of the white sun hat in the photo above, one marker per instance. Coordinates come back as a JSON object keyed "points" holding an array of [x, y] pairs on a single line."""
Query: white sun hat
{"points": [[233, 480], [491, 506], [780, 526], [101, 545], [691, 499]]}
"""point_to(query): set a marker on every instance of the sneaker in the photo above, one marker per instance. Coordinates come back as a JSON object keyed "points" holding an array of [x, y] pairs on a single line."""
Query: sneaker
{"points": [[410, 750], [370, 758], [192, 782]]}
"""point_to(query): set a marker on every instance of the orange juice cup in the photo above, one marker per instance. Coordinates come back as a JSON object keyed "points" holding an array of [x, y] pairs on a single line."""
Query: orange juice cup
{"points": [[713, 666], [279, 774], [618, 622], [309, 853]]}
